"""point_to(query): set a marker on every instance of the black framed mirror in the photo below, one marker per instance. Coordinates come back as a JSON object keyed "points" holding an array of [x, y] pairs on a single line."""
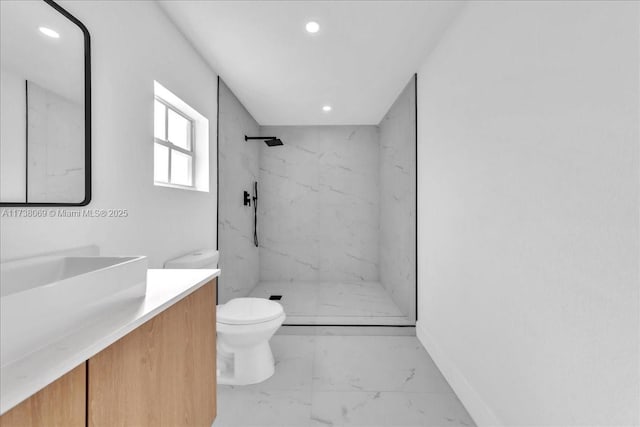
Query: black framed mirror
{"points": [[45, 106]]}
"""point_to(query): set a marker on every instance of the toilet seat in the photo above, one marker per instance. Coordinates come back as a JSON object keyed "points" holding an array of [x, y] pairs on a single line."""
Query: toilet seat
{"points": [[248, 311]]}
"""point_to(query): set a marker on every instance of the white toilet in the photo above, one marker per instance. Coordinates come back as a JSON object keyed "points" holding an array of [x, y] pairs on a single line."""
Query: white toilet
{"points": [[244, 327]]}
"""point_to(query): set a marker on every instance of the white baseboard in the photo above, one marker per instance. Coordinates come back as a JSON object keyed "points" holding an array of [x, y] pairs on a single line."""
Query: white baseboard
{"points": [[482, 415]]}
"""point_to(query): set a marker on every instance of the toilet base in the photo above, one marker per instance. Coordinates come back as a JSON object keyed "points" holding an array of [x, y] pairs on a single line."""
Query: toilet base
{"points": [[244, 366]]}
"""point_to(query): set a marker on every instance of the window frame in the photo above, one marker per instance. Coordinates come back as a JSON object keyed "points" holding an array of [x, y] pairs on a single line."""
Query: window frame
{"points": [[171, 146]]}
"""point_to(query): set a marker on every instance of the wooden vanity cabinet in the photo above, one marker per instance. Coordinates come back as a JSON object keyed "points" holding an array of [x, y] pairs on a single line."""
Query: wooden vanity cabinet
{"points": [[163, 373], [60, 404]]}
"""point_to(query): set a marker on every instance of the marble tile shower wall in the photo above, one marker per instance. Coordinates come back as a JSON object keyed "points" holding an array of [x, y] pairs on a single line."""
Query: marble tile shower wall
{"points": [[55, 175], [238, 169], [397, 200], [319, 204]]}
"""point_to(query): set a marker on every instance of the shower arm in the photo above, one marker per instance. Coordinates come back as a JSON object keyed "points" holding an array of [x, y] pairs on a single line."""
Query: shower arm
{"points": [[247, 138], [271, 141]]}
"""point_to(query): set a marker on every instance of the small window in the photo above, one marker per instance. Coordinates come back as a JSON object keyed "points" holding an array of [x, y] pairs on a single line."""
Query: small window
{"points": [[180, 144], [174, 156]]}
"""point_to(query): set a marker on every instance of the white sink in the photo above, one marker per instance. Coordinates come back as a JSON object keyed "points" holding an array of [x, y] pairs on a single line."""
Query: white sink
{"points": [[42, 299]]}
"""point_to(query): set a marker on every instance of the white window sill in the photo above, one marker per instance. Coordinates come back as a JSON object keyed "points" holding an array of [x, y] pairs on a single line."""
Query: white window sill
{"points": [[179, 187]]}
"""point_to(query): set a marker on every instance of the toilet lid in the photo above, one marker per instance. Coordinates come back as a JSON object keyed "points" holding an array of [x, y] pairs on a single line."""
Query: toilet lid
{"points": [[246, 311]]}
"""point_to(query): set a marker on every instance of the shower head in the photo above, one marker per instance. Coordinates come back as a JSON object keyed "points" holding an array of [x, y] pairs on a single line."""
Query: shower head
{"points": [[271, 141]]}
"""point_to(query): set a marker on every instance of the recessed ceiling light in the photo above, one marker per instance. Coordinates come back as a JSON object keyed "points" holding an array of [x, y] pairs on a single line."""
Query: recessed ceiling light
{"points": [[326, 108], [312, 27], [49, 32]]}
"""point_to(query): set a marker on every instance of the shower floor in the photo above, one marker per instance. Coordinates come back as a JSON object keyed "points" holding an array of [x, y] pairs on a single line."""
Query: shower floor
{"points": [[334, 303]]}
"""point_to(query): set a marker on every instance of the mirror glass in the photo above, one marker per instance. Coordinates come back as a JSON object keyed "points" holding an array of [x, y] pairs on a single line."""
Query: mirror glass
{"points": [[44, 114]]}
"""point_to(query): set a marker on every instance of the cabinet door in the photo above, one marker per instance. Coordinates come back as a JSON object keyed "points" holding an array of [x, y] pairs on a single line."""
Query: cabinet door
{"points": [[161, 374], [60, 404]]}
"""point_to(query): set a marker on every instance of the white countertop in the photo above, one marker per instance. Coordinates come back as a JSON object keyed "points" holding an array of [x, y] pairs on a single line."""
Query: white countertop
{"points": [[23, 378]]}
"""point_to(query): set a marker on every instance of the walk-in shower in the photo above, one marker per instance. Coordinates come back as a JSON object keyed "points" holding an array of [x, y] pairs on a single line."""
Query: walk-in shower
{"points": [[336, 220]]}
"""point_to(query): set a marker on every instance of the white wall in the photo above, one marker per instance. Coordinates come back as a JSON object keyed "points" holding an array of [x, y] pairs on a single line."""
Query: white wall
{"points": [[319, 204], [528, 205], [133, 43], [398, 200], [239, 169]]}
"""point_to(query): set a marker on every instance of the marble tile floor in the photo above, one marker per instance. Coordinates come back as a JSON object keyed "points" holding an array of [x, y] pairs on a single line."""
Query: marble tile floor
{"points": [[334, 303], [367, 381]]}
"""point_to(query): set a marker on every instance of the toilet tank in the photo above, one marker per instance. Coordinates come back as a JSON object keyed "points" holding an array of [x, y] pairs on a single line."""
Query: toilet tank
{"points": [[204, 258]]}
